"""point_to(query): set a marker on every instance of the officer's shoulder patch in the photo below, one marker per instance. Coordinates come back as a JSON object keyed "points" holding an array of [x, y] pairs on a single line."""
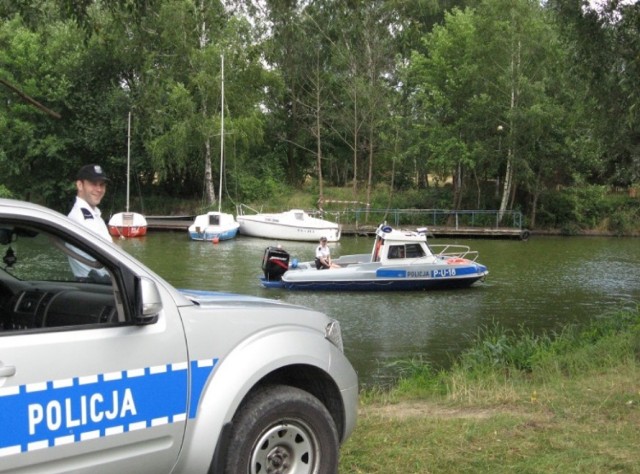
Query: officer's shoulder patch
{"points": [[86, 213]]}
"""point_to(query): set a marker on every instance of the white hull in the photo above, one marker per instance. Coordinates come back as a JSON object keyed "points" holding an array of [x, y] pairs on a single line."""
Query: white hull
{"points": [[127, 224], [213, 226], [290, 225]]}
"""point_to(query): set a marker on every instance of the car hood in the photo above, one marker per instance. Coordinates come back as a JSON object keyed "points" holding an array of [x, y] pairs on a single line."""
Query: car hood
{"points": [[219, 298]]}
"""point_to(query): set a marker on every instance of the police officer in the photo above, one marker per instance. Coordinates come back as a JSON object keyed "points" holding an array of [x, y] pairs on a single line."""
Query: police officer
{"points": [[91, 184], [323, 256]]}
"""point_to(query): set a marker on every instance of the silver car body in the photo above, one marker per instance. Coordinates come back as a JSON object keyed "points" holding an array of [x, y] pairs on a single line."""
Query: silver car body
{"points": [[149, 385]]}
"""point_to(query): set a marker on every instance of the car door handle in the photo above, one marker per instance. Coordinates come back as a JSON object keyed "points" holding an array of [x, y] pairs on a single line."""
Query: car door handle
{"points": [[7, 370]]}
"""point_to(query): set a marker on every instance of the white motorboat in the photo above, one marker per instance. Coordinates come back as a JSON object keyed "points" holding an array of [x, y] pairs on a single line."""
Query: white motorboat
{"points": [[399, 260], [295, 224]]}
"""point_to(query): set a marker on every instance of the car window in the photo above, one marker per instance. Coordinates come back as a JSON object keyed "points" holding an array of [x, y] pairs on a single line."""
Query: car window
{"points": [[49, 283]]}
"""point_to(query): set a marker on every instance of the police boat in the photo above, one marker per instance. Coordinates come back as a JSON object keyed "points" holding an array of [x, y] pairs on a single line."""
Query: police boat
{"points": [[399, 261]]}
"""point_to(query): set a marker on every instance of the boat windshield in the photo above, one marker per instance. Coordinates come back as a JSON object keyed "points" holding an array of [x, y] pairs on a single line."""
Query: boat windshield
{"points": [[414, 251], [396, 251]]}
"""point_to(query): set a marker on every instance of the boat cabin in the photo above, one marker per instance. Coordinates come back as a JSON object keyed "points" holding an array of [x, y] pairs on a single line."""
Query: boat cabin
{"points": [[394, 245]]}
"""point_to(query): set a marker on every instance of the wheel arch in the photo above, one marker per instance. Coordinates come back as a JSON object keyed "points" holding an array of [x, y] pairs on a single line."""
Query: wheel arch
{"points": [[305, 377], [296, 358], [310, 379]]}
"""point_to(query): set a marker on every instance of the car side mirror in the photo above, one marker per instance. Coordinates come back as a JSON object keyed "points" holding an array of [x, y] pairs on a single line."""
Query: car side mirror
{"points": [[149, 302]]}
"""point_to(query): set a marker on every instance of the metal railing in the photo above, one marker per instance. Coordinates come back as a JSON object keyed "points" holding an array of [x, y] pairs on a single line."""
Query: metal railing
{"points": [[492, 219]]}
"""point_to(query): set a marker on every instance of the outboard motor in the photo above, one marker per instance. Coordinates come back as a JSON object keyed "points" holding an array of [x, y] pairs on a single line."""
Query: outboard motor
{"points": [[274, 263]]}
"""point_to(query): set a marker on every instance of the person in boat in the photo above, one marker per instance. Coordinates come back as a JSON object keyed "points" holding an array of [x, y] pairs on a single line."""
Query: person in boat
{"points": [[91, 185], [323, 256]]}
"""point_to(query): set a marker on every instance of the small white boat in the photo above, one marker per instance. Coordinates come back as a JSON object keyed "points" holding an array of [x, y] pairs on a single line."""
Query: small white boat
{"points": [[295, 224], [128, 224], [400, 260], [213, 226]]}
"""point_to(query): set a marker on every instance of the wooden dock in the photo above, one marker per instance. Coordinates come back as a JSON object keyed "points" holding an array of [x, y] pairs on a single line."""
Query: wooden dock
{"points": [[445, 231], [182, 223], [178, 223]]}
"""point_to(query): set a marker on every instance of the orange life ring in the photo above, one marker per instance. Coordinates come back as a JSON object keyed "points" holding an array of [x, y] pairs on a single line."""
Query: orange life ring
{"points": [[456, 260]]}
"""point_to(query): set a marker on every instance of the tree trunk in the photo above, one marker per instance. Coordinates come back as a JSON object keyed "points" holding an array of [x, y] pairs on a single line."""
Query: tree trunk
{"points": [[355, 146], [509, 172], [208, 178], [209, 190], [318, 137], [370, 172]]}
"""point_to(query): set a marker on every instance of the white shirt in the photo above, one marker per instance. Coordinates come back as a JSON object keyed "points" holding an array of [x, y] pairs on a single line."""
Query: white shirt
{"points": [[323, 251], [91, 218]]}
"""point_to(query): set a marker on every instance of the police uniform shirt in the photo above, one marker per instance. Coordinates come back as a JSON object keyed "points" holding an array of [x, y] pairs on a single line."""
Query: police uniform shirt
{"points": [[322, 251], [91, 218]]}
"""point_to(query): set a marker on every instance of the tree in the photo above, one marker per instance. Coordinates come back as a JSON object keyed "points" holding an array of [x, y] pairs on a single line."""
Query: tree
{"points": [[605, 43], [491, 68]]}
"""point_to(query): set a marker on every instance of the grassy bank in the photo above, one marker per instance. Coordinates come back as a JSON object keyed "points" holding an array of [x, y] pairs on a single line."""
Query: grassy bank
{"points": [[565, 402]]}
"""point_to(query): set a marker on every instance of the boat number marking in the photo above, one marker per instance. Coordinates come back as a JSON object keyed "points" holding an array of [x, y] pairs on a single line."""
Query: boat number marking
{"points": [[437, 273]]}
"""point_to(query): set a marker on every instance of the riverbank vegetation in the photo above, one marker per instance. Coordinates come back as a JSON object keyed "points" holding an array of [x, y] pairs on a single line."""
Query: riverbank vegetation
{"points": [[464, 104], [514, 402]]}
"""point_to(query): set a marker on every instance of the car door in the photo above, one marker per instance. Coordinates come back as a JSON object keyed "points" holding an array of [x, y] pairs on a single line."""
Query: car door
{"points": [[82, 387]]}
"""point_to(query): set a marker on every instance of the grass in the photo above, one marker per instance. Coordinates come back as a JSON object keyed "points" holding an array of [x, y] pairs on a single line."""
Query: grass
{"points": [[566, 402]]}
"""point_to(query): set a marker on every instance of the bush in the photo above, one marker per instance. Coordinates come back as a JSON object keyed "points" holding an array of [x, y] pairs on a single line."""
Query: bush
{"points": [[4, 192]]}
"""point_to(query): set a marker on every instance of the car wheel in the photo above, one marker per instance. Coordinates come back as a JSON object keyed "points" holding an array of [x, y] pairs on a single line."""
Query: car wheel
{"points": [[283, 430]]}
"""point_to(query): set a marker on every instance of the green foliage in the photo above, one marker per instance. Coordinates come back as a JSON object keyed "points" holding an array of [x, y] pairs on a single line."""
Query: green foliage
{"points": [[579, 401], [588, 207], [497, 353], [4, 192], [418, 376], [497, 348], [389, 93]]}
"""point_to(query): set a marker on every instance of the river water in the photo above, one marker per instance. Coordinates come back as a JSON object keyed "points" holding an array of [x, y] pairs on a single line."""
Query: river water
{"points": [[541, 284]]}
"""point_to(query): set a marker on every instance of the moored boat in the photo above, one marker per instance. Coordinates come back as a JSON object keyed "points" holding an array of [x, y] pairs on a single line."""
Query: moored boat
{"points": [[399, 260], [216, 226], [128, 224], [294, 224], [213, 226]]}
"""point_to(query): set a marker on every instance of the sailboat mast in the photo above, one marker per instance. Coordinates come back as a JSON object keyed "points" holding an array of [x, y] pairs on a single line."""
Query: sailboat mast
{"points": [[128, 157], [221, 136]]}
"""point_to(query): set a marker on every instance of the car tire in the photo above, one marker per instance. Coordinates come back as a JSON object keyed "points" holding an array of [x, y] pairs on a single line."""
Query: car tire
{"points": [[282, 429]]}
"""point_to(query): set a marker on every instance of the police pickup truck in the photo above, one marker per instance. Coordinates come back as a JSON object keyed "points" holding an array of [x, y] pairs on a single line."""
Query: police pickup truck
{"points": [[119, 372]]}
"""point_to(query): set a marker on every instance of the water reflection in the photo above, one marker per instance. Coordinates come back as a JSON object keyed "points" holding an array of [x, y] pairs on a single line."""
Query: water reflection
{"points": [[541, 284]]}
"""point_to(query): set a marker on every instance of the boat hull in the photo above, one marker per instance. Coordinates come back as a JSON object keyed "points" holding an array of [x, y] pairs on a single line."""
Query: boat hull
{"points": [[374, 285], [381, 279], [128, 232], [127, 225], [212, 233], [213, 226], [278, 227]]}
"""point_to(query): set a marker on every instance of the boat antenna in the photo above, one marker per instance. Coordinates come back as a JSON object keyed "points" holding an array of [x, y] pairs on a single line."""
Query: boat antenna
{"points": [[221, 134]]}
